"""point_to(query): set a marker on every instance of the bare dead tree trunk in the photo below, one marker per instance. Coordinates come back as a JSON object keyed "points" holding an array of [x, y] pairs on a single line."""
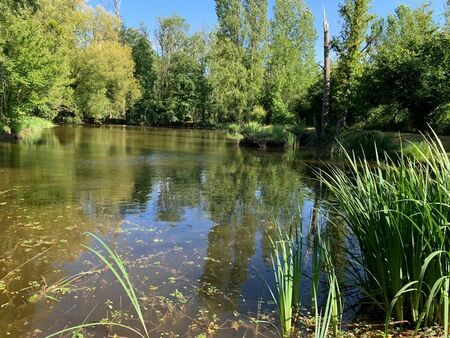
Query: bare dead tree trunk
{"points": [[326, 78], [114, 5], [447, 16]]}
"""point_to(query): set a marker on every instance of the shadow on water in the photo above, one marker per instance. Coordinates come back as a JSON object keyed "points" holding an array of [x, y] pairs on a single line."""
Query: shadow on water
{"points": [[190, 213]]}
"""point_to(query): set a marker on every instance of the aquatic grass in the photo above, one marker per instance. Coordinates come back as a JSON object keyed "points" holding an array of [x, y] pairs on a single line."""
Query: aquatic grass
{"points": [[115, 264], [399, 212], [117, 267], [29, 124], [330, 315], [417, 150], [91, 325], [287, 262], [439, 292]]}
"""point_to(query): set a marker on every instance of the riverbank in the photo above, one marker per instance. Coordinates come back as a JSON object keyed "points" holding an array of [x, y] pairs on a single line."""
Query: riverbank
{"points": [[23, 128]]}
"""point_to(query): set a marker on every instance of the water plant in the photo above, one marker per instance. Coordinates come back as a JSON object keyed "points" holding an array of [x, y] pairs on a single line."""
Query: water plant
{"points": [[399, 212], [330, 314], [115, 264], [271, 135], [287, 261]]}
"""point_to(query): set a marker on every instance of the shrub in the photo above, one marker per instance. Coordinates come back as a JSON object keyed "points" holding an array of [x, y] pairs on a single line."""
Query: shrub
{"points": [[4, 128], [258, 113], [387, 118]]}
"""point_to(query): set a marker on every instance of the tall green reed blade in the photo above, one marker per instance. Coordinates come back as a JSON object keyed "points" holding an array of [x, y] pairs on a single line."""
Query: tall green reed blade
{"points": [[91, 325], [287, 267], [117, 267], [331, 314], [296, 238], [115, 264]]}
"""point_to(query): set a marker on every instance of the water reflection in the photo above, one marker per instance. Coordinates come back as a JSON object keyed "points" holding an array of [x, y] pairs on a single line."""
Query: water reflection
{"points": [[190, 212]]}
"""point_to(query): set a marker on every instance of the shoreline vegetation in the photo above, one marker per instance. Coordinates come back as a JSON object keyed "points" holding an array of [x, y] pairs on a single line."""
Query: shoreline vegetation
{"points": [[23, 128]]}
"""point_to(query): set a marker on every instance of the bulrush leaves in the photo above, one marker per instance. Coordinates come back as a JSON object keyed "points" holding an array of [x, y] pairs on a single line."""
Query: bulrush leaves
{"points": [[399, 212]]}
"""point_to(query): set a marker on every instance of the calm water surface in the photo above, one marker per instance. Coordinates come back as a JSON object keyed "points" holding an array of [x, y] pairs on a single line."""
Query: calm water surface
{"points": [[190, 213]]}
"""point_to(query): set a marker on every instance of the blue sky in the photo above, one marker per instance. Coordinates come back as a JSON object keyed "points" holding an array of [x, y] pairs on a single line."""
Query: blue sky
{"points": [[201, 13]]}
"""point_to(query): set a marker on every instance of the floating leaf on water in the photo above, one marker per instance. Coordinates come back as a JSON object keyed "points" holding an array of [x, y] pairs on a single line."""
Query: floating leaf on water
{"points": [[211, 259], [34, 298]]}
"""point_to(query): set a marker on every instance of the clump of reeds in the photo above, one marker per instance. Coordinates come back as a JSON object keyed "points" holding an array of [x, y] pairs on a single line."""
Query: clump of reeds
{"points": [[330, 314], [367, 144], [287, 260], [399, 211]]}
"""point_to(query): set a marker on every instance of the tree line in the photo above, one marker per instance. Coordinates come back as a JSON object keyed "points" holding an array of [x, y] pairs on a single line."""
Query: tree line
{"points": [[66, 60]]}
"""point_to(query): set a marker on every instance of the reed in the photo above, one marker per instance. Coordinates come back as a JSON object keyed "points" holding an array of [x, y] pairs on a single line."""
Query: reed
{"points": [[287, 261], [399, 212], [115, 264], [330, 314]]}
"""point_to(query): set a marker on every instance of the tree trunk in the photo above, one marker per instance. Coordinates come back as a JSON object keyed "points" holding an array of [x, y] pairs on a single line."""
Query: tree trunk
{"points": [[323, 123]]}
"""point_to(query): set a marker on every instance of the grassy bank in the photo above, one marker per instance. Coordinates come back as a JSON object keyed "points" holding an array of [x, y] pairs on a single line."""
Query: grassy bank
{"points": [[23, 127]]}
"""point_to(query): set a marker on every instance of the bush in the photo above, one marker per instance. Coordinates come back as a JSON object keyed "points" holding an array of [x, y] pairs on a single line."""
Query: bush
{"points": [[387, 118], [71, 120], [4, 128], [258, 114]]}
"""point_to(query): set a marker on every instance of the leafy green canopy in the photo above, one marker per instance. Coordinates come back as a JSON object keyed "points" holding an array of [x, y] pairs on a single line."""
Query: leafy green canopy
{"points": [[409, 72]]}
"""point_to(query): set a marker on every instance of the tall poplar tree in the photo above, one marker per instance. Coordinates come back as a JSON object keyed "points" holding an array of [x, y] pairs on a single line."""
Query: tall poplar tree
{"points": [[292, 67], [256, 24], [228, 72], [349, 47], [447, 16]]}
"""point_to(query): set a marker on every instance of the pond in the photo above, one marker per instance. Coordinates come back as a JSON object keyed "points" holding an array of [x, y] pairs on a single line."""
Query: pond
{"points": [[190, 213]]}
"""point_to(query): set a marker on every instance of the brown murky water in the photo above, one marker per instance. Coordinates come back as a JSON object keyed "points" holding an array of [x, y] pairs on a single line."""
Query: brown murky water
{"points": [[189, 212]]}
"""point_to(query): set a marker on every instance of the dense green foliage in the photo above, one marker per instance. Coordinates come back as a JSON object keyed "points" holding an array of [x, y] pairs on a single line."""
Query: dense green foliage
{"points": [[350, 66], [401, 80], [66, 60]]}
